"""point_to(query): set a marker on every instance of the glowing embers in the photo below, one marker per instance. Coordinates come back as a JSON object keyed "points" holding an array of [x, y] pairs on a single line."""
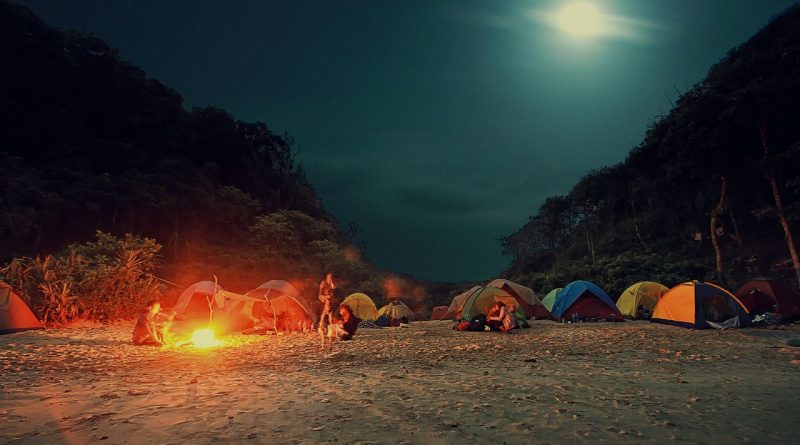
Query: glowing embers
{"points": [[205, 338]]}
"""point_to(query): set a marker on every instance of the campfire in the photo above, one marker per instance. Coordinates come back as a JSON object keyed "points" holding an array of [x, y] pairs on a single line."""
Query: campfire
{"points": [[205, 338]]}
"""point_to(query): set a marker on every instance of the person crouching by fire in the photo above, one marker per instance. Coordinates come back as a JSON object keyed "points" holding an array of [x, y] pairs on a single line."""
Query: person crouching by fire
{"points": [[145, 332], [345, 328]]}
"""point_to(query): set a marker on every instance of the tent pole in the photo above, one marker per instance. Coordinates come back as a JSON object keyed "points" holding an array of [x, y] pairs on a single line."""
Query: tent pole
{"points": [[210, 310], [274, 315]]}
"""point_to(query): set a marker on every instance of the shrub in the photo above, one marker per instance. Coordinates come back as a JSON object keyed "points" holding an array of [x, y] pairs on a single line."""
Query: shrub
{"points": [[107, 279]]}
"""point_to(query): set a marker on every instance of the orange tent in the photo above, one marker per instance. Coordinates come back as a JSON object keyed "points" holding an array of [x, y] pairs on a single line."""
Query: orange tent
{"points": [[700, 305], [15, 315]]}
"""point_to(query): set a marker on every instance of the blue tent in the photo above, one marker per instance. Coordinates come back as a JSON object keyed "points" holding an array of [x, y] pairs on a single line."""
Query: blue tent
{"points": [[586, 300]]}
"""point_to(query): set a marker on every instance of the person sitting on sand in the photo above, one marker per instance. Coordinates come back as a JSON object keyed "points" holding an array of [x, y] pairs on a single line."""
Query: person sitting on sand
{"points": [[145, 332], [499, 319], [346, 327]]}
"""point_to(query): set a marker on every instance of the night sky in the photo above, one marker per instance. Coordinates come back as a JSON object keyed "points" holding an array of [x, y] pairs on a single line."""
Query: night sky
{"points": [[437, 126]]}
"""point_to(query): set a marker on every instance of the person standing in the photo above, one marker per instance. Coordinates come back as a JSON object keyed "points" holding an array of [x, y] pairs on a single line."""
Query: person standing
{"points": [[326, 288]]}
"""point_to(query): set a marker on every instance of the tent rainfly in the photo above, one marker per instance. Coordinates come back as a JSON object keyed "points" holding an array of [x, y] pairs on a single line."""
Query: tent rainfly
{"points": [[15, 315], [639, 299], [362, 306], [526, 298]]}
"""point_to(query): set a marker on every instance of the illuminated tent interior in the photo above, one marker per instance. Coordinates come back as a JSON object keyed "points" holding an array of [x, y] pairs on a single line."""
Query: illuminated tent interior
{"points": [[193, 303], [482, 298], [526, 298], [275, 302], [280, 301]]}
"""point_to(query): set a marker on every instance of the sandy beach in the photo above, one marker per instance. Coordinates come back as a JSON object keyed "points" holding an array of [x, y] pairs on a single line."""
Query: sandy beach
{"points": [[632, 382]]}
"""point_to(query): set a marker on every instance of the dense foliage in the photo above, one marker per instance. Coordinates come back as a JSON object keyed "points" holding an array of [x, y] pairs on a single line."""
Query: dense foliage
{"points": [[649, 217], [89, 143], [105, 279]]}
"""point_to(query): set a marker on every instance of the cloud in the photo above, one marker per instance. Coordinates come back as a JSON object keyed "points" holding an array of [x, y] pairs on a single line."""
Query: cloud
{"points": [[615, 26]]}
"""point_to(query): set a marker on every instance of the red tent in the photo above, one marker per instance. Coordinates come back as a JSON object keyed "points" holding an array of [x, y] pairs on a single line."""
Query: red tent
{"points": [[15, 315], [762, 295], [438, 313]]}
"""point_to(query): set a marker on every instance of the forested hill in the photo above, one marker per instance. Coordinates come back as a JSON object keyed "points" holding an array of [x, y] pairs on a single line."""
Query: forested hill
{"points": [[90, 142], [91, 149], [650, 217]]}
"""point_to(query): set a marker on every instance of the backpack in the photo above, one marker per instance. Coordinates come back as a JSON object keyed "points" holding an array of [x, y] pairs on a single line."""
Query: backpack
{"points": [[383, 321], [478, 323]]}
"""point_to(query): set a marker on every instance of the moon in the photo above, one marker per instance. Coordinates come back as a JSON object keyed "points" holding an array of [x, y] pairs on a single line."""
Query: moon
{"points": [[580, 19]]}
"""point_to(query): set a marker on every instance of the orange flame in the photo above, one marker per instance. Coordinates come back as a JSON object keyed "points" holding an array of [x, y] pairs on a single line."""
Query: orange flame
{"points": [[205, 338]]}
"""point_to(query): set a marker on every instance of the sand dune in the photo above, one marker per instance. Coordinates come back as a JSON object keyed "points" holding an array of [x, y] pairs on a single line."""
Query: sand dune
{"points": [[632, 382]]}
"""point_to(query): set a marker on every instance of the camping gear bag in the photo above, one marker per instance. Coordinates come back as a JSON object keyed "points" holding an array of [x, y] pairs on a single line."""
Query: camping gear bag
{"points": [[478, 323]]}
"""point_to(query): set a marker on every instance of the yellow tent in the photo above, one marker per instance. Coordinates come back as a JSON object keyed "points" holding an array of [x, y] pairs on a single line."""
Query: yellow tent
{"points": [[362, 306], [645, 294]]}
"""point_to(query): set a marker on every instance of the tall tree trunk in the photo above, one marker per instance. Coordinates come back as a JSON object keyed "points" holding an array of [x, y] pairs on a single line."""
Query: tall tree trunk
{"points": [[636, 225], [714, 216], [787, 232], [590, 243], [773, 182], [738, 236]]}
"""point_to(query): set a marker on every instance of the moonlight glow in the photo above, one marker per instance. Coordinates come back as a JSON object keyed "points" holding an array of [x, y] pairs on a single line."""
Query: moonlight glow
{"points": [[580, 20]]}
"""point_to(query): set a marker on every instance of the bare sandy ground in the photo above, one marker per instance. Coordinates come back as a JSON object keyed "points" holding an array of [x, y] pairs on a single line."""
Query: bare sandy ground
{"points": [[632, 382]]}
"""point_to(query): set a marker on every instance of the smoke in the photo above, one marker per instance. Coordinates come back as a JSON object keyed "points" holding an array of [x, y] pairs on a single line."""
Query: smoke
{"points": [[396, 288]]}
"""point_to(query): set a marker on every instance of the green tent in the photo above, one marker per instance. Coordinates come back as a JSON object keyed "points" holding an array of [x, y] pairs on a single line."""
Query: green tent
{"points": [[550, 299], [484, 297]]}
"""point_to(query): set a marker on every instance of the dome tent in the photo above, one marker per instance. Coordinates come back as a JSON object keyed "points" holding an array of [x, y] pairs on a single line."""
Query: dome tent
{"points": [[362, 306], [699, 305], [644, 294], [195, 299], [526, 298], [438, 313], [550, 299], [584, 299], [15, 315], [280, 297], [483, 298], [457, 305], [763, 295], [396, 310]]}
